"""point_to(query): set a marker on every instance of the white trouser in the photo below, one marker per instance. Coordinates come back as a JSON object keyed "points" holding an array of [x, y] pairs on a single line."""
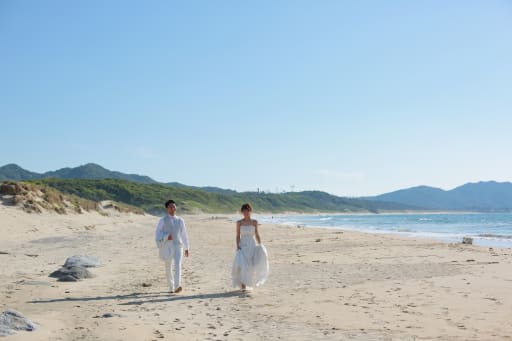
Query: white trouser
{"points": [[176, 256]]}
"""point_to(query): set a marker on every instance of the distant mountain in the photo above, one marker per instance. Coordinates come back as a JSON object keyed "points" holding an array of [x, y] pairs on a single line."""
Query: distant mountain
{"points": [[15, 172], [87, 171], [481, 196], [94, 171]]}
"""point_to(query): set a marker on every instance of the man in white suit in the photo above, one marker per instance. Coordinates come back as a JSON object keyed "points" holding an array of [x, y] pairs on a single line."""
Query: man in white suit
{"points": [[172, 240]]}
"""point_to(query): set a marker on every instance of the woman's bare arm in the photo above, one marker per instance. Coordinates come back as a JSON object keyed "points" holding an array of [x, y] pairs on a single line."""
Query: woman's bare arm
{"points": [[238, 235], [256, 232]]}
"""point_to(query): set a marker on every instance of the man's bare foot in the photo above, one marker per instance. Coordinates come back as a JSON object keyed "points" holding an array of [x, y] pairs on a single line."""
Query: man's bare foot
{"points": [[178, 289]]}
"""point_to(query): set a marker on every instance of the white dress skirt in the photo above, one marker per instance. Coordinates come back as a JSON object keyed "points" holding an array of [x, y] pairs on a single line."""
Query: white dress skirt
{"points": [[250, 266]]}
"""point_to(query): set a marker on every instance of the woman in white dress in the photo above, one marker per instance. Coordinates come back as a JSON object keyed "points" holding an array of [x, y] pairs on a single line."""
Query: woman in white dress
{"points": [[250, 267]]}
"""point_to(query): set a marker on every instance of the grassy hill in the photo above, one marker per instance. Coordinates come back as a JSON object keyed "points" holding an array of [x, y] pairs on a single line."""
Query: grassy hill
{"points": [[151, 197], [16, 173], [87, 171]]}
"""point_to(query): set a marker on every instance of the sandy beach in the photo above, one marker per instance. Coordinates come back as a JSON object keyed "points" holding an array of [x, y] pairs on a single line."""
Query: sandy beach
{"points": [[324, 284]]}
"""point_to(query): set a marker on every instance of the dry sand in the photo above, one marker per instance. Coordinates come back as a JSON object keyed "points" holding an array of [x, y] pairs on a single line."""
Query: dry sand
{"points": [[324, 284]]}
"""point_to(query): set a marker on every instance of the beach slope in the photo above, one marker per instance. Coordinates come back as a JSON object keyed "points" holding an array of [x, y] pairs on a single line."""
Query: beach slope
{"points": [[324, 284]]}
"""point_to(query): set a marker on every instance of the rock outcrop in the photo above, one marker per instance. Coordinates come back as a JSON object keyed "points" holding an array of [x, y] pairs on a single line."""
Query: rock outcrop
{"points": [[12, 321], [34, 198], [76, 268]]}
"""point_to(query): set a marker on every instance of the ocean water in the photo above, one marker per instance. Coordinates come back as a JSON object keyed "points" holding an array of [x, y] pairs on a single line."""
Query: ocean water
{"points": [[487, 229]]}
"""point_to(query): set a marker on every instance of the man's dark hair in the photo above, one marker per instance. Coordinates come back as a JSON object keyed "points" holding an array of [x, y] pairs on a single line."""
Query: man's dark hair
{"points": [[168, 202]]}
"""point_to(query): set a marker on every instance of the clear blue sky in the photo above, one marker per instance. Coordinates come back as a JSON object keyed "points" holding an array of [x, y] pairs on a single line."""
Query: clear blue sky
{"points": [[350, 97]]}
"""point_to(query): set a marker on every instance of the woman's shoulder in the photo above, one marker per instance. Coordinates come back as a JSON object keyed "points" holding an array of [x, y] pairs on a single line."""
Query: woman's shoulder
{"points": [[241, 221]]}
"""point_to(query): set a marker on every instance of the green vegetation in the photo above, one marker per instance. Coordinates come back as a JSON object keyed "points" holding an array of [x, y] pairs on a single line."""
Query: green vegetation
{"points": [[93, 182], [15, 173], [87, 171], [151, 197]]}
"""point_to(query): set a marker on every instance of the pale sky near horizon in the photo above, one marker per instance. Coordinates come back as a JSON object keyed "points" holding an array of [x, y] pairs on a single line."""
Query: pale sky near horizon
{"points": [[349, 97]]}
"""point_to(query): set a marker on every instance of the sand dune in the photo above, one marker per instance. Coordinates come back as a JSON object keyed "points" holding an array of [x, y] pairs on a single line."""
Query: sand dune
{"points": [[324, 284]]}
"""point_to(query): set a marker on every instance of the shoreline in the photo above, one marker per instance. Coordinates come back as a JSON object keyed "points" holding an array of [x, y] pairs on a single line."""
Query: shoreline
{"points": [[404, 235], [373, 213], [482, 238]]}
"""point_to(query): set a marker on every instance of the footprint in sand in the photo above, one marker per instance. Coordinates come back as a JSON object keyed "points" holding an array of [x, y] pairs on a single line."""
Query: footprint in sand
{"points": [[158, 334]]}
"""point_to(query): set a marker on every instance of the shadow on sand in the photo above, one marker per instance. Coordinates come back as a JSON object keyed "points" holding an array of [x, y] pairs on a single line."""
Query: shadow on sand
{"points": [[147, 297]]}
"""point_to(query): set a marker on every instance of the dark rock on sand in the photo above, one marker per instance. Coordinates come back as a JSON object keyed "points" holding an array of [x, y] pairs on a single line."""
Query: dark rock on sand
{"points": [[108, 315], [75, 268], [71, 274], [467, 240], [12, 321]]}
